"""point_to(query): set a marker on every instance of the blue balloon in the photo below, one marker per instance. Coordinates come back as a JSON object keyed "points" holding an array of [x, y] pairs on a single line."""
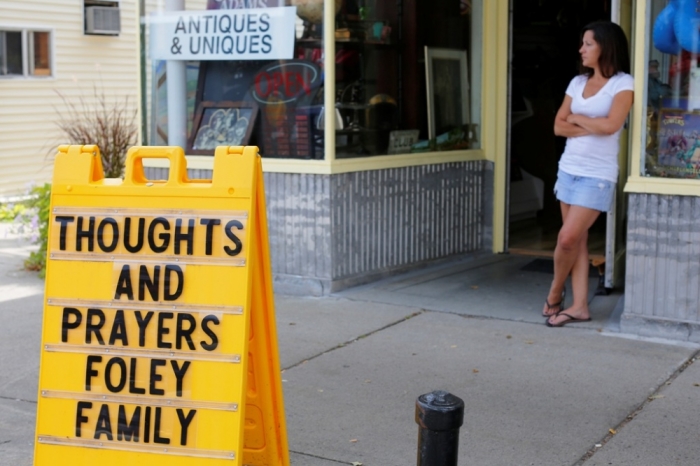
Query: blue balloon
{"points": [[687, 25], [664, 34]]}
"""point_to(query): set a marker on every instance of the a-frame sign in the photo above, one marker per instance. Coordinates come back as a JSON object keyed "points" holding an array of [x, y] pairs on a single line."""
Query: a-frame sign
{"points": [[159, 343]]}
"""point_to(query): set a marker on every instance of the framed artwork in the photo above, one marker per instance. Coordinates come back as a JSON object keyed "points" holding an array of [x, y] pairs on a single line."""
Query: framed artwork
{"points": [[221, 124], [447, 84]]}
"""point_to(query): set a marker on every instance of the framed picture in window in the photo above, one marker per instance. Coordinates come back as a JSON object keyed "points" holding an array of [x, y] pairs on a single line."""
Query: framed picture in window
{"points": [[221, 124], [447, 84]]}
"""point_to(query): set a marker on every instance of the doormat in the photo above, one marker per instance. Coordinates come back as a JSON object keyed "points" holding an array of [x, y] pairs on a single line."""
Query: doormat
{"points": [[547, 266]]}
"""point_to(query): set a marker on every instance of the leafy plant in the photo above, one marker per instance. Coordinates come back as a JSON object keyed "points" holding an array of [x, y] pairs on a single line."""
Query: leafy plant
{"points": [[11, 211], [38, 205], [112, 126]]}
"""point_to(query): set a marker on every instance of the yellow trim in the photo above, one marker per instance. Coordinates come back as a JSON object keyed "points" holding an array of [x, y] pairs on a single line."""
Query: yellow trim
{"points": [[669, 186], [638, 71], [494, 108], [322, 167], [329, 78]]}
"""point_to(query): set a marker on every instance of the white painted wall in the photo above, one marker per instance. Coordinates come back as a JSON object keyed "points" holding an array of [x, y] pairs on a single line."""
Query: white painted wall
{"points": [[29, 106]]}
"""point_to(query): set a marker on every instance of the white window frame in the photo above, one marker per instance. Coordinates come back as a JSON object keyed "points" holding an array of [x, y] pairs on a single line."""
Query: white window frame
{"points": [[28, 52]]}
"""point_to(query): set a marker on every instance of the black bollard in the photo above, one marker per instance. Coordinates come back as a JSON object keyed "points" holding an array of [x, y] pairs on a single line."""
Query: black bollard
{"points": [[439, 415]]}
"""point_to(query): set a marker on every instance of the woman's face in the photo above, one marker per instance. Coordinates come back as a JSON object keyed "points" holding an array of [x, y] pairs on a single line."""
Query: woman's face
{"points": [[590, 50]]}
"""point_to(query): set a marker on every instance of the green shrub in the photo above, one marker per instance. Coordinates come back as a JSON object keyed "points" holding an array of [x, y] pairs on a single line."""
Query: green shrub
{"points": [[10, 211], [38, 204]]}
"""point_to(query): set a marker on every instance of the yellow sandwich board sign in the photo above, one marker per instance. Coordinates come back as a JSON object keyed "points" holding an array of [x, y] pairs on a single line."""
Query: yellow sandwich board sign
{"points": [[159, 343]]}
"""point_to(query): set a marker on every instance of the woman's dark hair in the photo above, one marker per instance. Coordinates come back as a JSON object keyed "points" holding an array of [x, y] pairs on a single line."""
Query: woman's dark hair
{"points": [[614, 51]]}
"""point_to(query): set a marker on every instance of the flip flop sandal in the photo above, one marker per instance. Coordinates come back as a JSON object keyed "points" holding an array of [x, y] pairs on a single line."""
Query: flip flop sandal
{"points": [[571, 320], [560, 305]]}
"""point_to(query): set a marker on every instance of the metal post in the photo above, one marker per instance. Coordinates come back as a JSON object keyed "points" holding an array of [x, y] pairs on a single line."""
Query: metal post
{"points": [[176, 75], [439, 415]]}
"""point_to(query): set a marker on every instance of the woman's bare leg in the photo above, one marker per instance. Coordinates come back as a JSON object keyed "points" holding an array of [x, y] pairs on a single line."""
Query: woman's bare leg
{"points": [[569, 252], [579, 283]]}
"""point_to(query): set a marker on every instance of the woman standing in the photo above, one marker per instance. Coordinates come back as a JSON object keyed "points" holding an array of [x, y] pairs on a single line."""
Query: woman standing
{"points": [[591, 117]]}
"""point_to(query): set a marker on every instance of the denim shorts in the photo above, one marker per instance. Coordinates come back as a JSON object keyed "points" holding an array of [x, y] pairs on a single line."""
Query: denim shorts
{"points": [[584, 191]]}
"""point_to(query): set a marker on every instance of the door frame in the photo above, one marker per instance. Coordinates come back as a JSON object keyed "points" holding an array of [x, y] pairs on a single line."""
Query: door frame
{"points": [[621, 12]]}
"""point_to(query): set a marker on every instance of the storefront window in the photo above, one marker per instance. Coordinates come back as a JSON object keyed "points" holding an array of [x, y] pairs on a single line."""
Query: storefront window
{"points": [[406, 80], [673, 93]]}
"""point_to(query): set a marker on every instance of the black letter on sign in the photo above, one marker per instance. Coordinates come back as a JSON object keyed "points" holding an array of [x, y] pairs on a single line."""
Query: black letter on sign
{"points": [[122, 376], [64, 221], [139, 238], [167, 295], [91, 328], [185, 424], [156, 377], [147, 426], [189, 236], [143, 323], [182, 332], [132, 429], [90, 372], [145, 281], [156, 430], [79, 418], [132, 379], [162, 330], [165, 237], [124, 284], [234, 238], [104, 425], [205, 328], [66, 324], [89, 234], [119, 329], [115, 234], [180, 374], [210, 223]]}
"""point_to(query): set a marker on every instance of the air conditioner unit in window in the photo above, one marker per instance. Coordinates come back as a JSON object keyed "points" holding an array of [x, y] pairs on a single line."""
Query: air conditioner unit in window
{"points": [[102, 20]]}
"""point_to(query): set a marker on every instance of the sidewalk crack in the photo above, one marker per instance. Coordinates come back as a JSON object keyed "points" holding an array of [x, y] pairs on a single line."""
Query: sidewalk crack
{"points": [[318, 457], [651, 397], [342, 345]]}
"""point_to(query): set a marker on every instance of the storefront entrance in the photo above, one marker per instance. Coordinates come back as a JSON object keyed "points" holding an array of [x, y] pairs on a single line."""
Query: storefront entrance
{"points": [[544, 58]]}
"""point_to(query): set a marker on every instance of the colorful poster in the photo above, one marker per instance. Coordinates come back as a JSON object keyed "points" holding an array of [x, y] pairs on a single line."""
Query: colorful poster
{"points": [[678, 136]]}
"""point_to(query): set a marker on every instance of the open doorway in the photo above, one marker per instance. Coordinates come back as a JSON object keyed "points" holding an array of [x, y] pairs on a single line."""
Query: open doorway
{"points": [[544, 43]]}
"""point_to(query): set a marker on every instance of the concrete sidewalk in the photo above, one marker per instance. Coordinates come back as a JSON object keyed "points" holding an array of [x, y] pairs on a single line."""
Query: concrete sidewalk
{"points": [[354, 364]]}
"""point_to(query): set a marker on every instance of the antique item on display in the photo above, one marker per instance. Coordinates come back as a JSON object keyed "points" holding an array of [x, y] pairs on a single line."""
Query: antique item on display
{"points": [[312, 10], [221, 124], [447, 89], [401, 141]]}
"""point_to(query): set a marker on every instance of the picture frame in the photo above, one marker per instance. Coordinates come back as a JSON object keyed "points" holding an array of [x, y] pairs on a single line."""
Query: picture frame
{"points": [[402, 141], [224, 123], [447, 89]]}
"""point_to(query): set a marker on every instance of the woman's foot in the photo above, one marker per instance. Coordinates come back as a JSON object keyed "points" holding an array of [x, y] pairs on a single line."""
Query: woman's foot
{"points": [[569, 317], [554, 305]]}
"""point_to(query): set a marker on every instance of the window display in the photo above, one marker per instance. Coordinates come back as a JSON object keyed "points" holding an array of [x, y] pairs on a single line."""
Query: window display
{"points": [[383, 101], [673, 92]]}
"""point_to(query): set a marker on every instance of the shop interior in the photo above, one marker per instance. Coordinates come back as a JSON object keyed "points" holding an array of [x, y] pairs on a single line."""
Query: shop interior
{"points": [[381, 84], [545, 39]]}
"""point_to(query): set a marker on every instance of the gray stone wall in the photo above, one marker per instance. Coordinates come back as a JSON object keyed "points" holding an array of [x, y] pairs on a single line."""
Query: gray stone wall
{"points": [[328, 232], [662, 282]]}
